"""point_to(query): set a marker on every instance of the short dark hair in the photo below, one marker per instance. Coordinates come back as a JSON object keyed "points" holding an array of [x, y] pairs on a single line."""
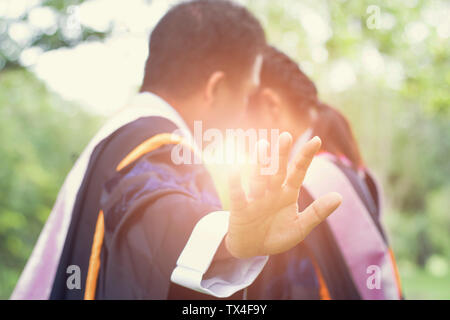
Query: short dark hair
{"points": [[196, 38], [279, 71]]}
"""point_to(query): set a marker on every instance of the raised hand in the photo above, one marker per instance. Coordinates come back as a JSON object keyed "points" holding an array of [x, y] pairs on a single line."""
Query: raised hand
{"points": [[267, 221]]}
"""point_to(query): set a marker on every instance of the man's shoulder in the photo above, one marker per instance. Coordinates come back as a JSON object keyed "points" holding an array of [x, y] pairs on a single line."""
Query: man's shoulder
{"points": [[120, 143], [135, 132]]}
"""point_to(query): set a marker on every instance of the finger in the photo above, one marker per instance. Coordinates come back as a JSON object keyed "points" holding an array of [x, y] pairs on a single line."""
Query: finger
{"points": [[315, 213], [284, 146], [238, 200], [299, 166], [258, 181]]}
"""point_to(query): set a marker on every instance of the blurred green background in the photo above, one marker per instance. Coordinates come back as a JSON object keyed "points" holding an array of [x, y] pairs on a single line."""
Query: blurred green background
{"points": [[385, 64]]}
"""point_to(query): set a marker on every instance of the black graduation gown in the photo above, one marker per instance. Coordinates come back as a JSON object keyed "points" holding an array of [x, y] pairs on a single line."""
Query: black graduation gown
{"points": [[150, 208]]}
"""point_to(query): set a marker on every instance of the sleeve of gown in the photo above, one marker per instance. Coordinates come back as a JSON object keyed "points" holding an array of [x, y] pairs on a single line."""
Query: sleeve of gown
{"points": [[221, 277], [157, 231]]}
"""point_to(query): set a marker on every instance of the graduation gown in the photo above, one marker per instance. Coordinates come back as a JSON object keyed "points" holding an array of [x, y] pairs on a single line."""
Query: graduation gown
{"points": [[332, 261], [151, 210]]}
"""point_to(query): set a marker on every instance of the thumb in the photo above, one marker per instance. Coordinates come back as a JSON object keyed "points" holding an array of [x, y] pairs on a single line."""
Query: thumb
{"points": [[315, 213]]}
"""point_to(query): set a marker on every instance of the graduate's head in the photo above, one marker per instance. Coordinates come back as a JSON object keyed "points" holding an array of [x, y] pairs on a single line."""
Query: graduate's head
{"points": [[286, 97], [204, 58]]}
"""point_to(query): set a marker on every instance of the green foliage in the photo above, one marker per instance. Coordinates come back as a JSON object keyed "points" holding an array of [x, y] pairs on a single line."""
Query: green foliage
{"points": [[420, 284], [40, 138], [65, 31]]}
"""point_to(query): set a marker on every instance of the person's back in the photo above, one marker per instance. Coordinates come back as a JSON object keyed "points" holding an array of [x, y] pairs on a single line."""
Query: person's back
{"points": [[127, 209], [338, 253], [364, 251]]}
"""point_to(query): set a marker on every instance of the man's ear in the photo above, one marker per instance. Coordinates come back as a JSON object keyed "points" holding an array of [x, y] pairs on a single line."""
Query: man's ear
{"points": [[272, 100], [213, 84]]}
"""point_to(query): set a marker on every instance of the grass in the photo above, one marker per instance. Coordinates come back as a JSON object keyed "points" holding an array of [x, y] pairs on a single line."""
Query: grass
{"points": [[419, 284]]}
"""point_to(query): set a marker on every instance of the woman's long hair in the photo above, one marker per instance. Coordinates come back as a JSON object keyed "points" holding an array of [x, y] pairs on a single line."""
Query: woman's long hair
{"points": [[337, 135], [282, 73]]}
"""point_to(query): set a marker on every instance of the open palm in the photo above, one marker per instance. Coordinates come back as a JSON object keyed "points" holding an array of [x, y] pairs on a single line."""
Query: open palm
{"points": [[267, 221]]}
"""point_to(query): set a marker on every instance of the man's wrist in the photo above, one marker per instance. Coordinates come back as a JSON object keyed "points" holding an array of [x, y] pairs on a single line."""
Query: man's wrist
{"points": [[222, 252], [231, 250]]}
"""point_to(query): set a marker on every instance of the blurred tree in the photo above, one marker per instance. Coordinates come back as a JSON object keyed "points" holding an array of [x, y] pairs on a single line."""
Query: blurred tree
{"points": [[40, 138], [28, 28]]}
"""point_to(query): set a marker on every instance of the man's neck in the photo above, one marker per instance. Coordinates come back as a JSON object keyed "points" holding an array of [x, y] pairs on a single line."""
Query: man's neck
{"points": [[186, 109]]}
